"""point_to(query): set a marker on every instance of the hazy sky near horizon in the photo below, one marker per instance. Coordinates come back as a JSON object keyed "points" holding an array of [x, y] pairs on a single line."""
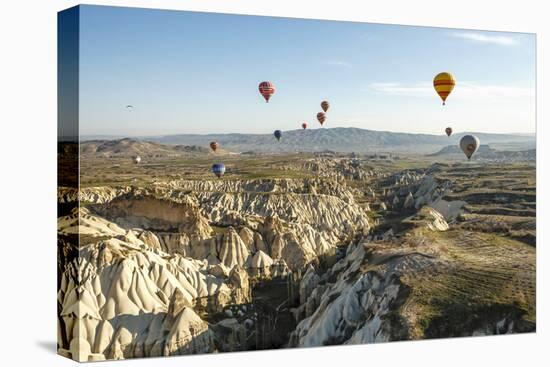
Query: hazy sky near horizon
{"points": [[188, 72]]}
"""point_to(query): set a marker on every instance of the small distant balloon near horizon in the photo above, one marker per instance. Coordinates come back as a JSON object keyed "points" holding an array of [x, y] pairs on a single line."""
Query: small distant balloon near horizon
{"points": [[278, 134], [137, 159], [469, 145], [214, 145], [444, 84], [325, 106], [218, 169], [321, 117], [267, 89], [449, 131], [304, 126]]}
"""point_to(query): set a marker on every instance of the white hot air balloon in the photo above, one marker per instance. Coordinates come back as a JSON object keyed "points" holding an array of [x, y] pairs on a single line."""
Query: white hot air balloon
{"points": [[469, 145]]}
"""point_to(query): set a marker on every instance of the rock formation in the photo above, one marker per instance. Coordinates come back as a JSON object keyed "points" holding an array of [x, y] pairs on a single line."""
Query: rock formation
{"points": [[185, 265]]}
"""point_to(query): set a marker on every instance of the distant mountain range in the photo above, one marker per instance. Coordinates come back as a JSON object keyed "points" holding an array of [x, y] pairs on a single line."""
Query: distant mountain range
{"points": [[342, 140]]}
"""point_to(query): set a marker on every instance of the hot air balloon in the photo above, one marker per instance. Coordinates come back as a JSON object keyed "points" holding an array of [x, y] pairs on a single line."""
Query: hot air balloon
{"points": [[137, 159], [267, 89], [278, 134], [325, 105], [449, 131], [218, 169], [469, 145], [444, 84], [214, 145], [304, 126], [321, 117]]}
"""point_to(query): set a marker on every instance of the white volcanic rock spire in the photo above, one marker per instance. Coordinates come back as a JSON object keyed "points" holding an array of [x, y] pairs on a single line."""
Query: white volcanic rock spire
{"points": [[233, 251]]}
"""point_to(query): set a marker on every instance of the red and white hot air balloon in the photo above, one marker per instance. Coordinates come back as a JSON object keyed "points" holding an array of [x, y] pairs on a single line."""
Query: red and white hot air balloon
{"points": [[325, 105], [321, 117], [267, 89], [304, 126]]}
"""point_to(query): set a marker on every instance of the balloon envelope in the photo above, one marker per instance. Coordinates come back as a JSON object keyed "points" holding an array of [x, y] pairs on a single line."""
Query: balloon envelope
{"points": [[137, 159], [304, 126], [449, 131], [469, 144], [444, 84], [267, 89], [325, 105], [218, 169], [278, 134], [321, 117], [214, 145]]}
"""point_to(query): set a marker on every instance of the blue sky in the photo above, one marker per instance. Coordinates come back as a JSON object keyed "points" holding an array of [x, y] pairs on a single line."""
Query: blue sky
{"points": [[188, 72]]}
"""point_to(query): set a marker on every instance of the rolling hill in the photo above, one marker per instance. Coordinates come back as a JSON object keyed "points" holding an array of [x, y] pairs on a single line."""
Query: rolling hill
{"points": [[130, 147], [487, 152]]}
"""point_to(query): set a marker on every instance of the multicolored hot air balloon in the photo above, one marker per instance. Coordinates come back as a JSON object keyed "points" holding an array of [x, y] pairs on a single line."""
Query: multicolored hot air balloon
{"points": [[449, 131], [214, 145], [469, 145], [444, 84], [218, 169], [325, 105], [304, 126], [321, 117], [267, 89], [278, 134]]}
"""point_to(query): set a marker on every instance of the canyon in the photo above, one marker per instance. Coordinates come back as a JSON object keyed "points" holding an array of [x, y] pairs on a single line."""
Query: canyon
{"points": [[304, 251]]}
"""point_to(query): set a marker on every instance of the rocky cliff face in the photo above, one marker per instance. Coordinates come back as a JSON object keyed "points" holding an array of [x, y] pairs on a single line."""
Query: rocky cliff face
{"points": [[152, 261], [121, 286], [414, 287], [282, 218], [410, 190], [359, 307]]}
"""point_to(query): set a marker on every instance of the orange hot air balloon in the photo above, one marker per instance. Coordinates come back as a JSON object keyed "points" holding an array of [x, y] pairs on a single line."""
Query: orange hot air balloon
{"points": [[214, 145], [267, 89], [304, 126], [321, 117], [449, 131], [444, 84], [325, 105]]}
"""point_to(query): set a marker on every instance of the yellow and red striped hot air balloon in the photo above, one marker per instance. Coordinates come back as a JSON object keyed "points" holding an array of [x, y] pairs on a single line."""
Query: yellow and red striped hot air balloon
{"points": [[444, 84]]}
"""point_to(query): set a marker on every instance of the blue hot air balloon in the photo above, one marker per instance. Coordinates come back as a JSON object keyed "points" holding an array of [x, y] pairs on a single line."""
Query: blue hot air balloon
{"points": [[218, 169], [278, 134]]}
